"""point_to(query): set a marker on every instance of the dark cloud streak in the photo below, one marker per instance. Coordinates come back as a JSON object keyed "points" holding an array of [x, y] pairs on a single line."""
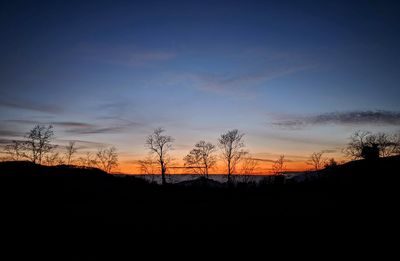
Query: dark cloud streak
{"points": [[30, 105], [76, 127], [84, 144], [94, 129], [10, 133], [378, 117]]}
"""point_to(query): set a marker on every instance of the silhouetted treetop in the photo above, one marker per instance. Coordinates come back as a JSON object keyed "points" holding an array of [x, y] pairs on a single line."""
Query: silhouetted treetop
{"points": [[231, 145], [364, 144], [200, 159], [160, 145], [37, 143]]}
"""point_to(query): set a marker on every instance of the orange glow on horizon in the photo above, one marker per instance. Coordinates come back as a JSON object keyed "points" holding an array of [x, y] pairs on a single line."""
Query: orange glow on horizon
{"points": [[263, 168]]}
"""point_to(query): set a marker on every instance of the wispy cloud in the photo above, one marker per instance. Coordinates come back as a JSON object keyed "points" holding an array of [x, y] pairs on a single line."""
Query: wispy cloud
{"points": [[182, 147], [272, 157], [377, 117], [264, 160], [83, 128], [63, 124], [331, 150], [72, 124], [21, 121], [84, 144], [5, 141], [95, 130], [269, 54], [114, 109], [10, 133], [123, 54], [115, 125], [244, 82], [270, 64], [30, 105]]}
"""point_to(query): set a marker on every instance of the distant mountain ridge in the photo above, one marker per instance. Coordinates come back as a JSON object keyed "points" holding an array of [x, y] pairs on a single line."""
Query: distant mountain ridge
{"points": [[351, 172]]}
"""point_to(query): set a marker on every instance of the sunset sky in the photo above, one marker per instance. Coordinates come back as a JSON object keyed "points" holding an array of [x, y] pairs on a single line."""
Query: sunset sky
{"points": [[296, 76]]}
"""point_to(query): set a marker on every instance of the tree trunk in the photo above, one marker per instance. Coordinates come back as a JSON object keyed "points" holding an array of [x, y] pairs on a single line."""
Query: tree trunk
{"points": [[229, 172], [163, 178], [163, 170]]}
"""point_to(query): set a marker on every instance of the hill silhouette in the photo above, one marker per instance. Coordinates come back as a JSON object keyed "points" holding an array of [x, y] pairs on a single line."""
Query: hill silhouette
{"points": [[383, 171], [79, 200]]}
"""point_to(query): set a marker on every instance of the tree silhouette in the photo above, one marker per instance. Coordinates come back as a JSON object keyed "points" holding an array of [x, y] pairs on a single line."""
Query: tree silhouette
{"points": [[363, 143], [231, 145], [370, 152], [200, 159], [160, 145], [52, 159], [316, 160], [331, 163], [107, 158], [279, 165], [15, 150], [396, 140], [38, 144], [388, 144], [71, 150], [358, 141], [249, 164], [88, 161], [247, 168], [148, 167]]}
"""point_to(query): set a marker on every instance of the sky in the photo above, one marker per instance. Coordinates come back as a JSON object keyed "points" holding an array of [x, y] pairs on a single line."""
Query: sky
{"points": [[295, 76]]}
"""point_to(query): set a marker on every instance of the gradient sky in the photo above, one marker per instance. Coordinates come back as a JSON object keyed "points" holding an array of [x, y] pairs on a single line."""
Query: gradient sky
{"points": [[295, 76]]}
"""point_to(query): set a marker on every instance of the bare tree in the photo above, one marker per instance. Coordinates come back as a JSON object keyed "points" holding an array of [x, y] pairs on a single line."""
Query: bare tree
{"points": [[278, 168], [201, 158], [316, 160], [38, 144], [52, 159], [148, 167], [71, 150], [247, 169], [356, 144], [331, 163], [231, 145], [14, 150], [160, 145], [88, 161], [387, 144], [396, 140], [107, 158], [249, 164]]}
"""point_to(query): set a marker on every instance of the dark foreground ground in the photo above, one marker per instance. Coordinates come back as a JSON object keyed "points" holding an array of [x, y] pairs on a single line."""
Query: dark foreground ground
{"points": [[46, 205]]}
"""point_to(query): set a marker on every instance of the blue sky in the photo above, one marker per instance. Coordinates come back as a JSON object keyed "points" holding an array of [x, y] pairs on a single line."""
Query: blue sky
{"points": [[111, 71]]}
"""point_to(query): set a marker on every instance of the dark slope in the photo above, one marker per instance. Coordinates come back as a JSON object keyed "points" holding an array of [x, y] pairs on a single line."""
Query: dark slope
{"points": [[383, 171], [88, 203], [347, 189]]}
